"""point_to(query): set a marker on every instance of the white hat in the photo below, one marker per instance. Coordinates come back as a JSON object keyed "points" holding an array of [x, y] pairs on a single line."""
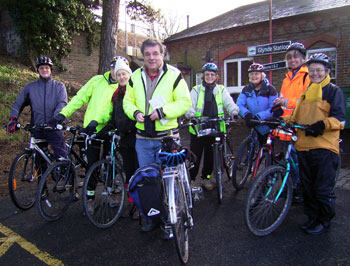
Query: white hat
{"points": [[119, 62]]}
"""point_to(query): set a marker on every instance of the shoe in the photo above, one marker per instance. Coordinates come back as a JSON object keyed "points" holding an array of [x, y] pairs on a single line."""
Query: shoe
{"points": [[166, 232], [90, 208], [307, 224], [113, 201], [148, 226], [318, 228], [208, 185]]}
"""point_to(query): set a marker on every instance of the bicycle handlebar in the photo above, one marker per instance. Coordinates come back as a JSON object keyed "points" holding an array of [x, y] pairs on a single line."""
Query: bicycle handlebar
{"points": [[282, 124]]}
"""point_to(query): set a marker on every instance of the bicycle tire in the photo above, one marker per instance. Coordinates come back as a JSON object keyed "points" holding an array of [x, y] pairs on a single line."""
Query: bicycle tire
{"points": [[260, 164], [22, 183], [109, 196], [218, 175], [242, 164], [338, 170], [55, 190], [181, 227], [262, 213], [228, 158]]}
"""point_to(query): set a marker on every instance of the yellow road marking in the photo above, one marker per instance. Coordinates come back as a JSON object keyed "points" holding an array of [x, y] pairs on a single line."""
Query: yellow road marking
{"points": [[12, 238]]}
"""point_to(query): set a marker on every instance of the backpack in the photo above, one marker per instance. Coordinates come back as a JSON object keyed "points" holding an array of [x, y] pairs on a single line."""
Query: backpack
{"points": [[146, 190]]}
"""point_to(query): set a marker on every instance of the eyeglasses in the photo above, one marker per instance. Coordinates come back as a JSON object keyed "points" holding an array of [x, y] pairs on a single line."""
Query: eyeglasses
{"points": [[210, 74], [317, 70]]}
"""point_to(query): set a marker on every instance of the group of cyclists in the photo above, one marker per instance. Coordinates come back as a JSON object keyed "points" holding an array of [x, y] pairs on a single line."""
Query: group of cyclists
{"points": [[144, 106]]}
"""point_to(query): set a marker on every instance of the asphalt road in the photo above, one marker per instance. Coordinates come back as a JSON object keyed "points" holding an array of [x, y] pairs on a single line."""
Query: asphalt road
{"points": [[219, 237]]}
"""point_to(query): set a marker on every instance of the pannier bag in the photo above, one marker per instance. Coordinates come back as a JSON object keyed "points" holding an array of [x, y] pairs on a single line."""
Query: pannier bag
{"points": [[146, 190]]}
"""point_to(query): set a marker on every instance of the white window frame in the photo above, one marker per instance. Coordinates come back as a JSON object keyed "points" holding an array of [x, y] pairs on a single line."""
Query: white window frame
{"points": [[235, 89], [198, 78], [325, 50]]}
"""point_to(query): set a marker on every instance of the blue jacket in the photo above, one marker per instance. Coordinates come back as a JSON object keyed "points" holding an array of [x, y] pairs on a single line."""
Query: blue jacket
{"points": [[258, 104]]}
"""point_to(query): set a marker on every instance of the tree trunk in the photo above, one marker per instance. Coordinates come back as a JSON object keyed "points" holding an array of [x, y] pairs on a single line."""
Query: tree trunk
{"points": [[110, 14]]}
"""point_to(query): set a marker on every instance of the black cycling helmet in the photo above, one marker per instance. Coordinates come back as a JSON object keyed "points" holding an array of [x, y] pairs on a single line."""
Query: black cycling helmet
{"points": [[43, 60], [319, 58], [256, 67], [297, 46], [210, 67], [115, 59]]}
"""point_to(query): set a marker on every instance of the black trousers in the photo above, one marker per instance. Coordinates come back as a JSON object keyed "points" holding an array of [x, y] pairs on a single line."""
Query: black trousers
{"points": [[197, 146], [317, 171]]}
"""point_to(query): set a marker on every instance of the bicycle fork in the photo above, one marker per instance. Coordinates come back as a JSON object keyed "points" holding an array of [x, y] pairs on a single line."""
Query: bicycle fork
{"points": [[169, 175]]}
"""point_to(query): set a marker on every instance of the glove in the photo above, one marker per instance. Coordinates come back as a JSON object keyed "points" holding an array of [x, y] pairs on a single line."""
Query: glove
{"points": [[58, 119], [12, 125], [248, 117], [277, 111], [315, 129], [91, 128]]}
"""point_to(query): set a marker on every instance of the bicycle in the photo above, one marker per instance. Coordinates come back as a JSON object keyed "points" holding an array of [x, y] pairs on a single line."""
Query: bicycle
{"points": [[59, 183], [109, 195], [246, 155], [222, 148], [26, 170], [178, 194], [270, 196]]}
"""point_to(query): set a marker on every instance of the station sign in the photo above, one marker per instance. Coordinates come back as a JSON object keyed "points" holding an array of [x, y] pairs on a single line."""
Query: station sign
{"points": [[275, 65], [269, 48]]}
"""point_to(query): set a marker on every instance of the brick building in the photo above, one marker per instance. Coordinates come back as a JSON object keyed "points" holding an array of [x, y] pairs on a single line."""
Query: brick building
{"points": [[81, 65], [322, 26]]}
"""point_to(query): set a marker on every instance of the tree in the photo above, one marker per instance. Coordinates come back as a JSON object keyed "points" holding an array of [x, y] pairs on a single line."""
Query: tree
{"points": [[110, 14], [48, 26], [140, 10]]}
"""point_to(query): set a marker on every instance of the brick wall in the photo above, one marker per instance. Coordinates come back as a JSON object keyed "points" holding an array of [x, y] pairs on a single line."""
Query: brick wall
{"points": [[316, 30]]}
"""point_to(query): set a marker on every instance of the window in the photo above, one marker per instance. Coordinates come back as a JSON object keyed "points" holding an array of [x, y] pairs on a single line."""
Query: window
{"points": [[332, 54], [236, 74]]}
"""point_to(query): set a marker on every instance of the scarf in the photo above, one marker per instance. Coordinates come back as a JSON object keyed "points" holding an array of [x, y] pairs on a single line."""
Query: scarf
{"points": [[313, 93], [119, 91]]}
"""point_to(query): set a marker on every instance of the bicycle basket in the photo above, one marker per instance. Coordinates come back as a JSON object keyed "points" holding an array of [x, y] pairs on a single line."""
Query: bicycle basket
{"points": [[173, 158]]}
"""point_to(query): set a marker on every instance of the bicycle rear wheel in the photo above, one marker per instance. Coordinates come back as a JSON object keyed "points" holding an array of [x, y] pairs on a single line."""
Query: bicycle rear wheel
{"points": [[228, 158], [243, 163], [268, 201], [55, 190], [108, 199], [181, 227], [23, 180]]}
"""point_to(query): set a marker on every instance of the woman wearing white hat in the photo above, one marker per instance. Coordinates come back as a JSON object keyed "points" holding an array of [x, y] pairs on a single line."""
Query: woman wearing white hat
{"points": [[125, 126]]}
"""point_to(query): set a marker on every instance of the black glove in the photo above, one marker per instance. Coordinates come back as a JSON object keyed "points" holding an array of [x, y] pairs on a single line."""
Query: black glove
{"points": [[58, 119], [277, 120], [316, 129], [248, 120], [277, 111], [91, 128], [12, 125]]}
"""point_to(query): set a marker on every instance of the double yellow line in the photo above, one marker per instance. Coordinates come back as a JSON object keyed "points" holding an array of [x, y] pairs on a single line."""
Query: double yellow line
{"points": [[12, 237]]}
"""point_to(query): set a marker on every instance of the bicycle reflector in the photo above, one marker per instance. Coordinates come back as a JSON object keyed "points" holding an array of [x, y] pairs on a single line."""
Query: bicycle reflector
{"points": [[172, 158]]}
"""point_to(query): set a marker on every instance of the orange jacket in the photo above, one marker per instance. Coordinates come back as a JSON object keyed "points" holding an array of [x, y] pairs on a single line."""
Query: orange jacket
{"points": [[292, 88]]}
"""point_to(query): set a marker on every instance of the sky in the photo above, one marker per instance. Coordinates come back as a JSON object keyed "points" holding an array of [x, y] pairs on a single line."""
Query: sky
{"points": [[198, 11]]}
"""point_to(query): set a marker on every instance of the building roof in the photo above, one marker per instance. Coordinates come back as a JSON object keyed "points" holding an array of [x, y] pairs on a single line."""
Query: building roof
{"points": [[258, 12]]}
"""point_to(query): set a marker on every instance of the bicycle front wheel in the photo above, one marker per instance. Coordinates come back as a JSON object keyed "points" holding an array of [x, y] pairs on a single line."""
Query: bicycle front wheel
{"points": [[243, 163], [104, 207], [180, 228], [23, 180], [268, 201], [218, 175], [55, 190]]}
